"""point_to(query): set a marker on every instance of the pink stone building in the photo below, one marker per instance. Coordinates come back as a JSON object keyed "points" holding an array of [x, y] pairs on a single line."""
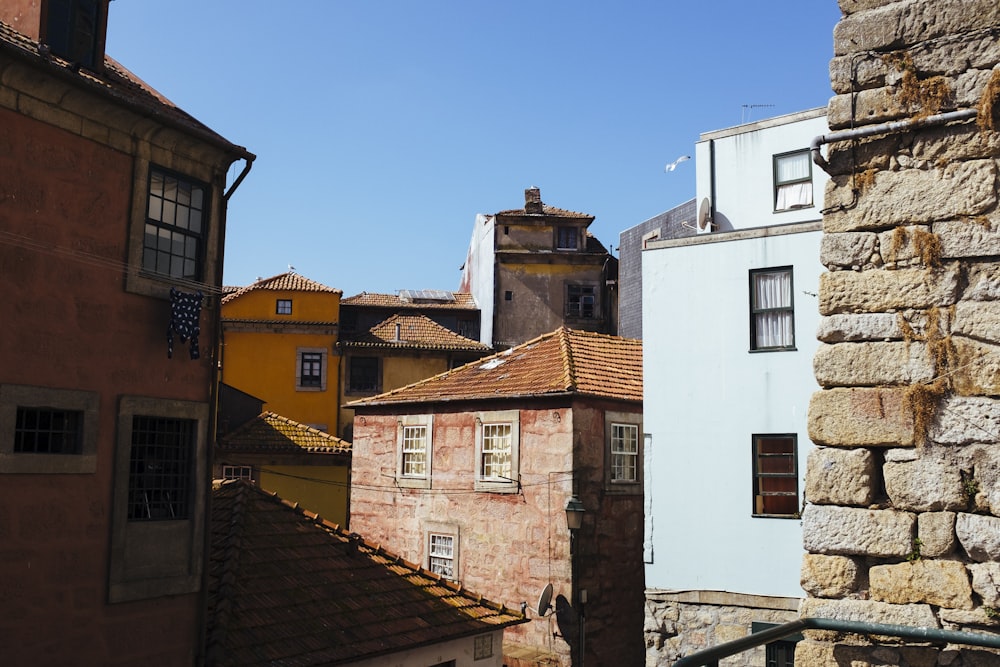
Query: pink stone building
{"points": [[469, 473]]}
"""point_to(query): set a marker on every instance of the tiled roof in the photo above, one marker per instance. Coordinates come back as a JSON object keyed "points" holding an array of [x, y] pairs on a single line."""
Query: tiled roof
{"points": [[415, 331], [286, 587], [114, 81], [284, 282], [551, 211], [564, 361], [463, 301], [271, 433]]}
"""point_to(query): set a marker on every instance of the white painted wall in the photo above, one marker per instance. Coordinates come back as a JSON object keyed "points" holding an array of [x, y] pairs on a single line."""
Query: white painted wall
{"points": [[478, 273], [706, 395], [744, 169]]}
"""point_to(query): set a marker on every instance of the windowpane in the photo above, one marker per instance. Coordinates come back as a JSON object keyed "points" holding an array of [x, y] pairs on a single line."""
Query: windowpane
{"points": [[415, 451], [237, 472], [160, 468], [364, 375], [311, 370], [496, 454], [284, 307], [792, 181], [624, 452], [48, 431], [775, 475], [772, 313], [581, 301], [442, 555], [174, 225]]}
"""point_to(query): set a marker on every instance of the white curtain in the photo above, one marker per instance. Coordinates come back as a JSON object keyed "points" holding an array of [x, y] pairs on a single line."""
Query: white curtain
{"points": [[771, 291], [790, 168], [794, 195]]}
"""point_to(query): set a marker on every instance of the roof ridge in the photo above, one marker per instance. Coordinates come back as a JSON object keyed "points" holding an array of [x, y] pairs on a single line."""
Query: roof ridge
{"points": [[569, 361]]}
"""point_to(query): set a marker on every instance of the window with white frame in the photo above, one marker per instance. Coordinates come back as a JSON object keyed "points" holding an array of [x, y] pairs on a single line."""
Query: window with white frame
{"points": [[413, 458], [441, 554], [775, 475], [497, 445], [772, 311], [310, 369], [792, 181], [623, 452], [237, 472]]}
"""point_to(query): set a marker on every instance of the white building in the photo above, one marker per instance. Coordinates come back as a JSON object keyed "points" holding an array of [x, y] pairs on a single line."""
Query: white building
{"points": [[728, 321]]}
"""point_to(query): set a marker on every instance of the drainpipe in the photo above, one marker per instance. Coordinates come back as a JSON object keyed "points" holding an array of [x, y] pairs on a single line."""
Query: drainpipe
{"points": [[247, 165], [884, 128]]}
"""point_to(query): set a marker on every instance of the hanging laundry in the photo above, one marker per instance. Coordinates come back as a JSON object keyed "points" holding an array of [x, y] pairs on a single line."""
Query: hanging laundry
{"points": [[185, 314]]}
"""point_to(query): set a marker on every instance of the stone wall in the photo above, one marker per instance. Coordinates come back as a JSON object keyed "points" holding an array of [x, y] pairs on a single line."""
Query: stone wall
{"points": [[903, 521]]}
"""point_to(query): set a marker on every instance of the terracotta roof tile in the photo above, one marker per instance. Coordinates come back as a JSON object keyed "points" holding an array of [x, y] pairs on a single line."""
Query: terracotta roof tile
{"points": [[463, 301], [286, 587], [564, 361], [271, 433], [550, 211], [283, 282], [416, 331]]}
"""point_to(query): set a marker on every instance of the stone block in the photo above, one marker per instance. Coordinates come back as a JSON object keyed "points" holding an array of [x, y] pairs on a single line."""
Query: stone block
{"points": [[942, 145], [882, 291], [872, 364], [982, 282], [861, 417], [978, 319], [916, 196], [986, 475], [852, 250], [979, 535], [965, 420], [978, 368], [942, 583], [849, 531], [924, 485], [936, 532], [876, 105], [841, 476], [861, 327], [870, 611], [48, 113], [830, 576], [902, 246], [986, 582]]}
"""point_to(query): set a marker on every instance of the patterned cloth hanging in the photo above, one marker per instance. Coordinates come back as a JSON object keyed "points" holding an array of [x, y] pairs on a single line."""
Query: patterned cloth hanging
{"points": [[185, 315]]}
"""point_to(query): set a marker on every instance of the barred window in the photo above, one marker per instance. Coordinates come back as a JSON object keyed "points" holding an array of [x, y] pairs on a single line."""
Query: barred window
{"points": [[160, 468], [48, 431]]}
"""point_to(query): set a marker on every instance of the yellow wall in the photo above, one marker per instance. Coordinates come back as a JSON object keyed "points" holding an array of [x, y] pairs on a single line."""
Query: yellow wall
{"points": [[320, 489], [264, 364]]}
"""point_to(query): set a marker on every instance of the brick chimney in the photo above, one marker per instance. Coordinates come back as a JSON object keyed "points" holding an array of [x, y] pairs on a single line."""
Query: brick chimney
{"points": [[532, 200], [72, 29]]}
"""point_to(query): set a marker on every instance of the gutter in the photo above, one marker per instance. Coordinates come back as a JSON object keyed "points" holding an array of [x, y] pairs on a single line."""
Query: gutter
{"points": [[884, 128]]}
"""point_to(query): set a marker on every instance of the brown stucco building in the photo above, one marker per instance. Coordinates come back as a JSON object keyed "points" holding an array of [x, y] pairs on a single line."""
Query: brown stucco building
{"points": [[535, 269], [469, 473], [110, 196]]}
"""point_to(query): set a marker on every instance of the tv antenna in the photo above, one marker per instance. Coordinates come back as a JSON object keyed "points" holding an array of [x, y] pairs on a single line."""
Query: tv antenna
{"points": [[748, 111]]}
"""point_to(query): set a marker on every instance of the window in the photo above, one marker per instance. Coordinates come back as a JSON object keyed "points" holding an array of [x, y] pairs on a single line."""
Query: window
{"points": [[72, 30], [792, 181], [567, 238], [779, 653], [46, 430], [441, 555], [483, 647], [237, 472], [175, 226], [497, 445], [775, 475], [772, 321], [364, 374], [581, 301], [624, 453], [158, 504], [508, 295], [283, 307], [160, 470], [413, 460], [310, 369]]}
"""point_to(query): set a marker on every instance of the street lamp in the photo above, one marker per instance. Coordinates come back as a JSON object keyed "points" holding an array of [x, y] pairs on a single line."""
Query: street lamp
{"points": [[574, 520], [574, 514]]}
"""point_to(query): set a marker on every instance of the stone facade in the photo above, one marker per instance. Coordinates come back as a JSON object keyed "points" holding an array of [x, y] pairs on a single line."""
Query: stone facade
{"points": [[903, 521]]}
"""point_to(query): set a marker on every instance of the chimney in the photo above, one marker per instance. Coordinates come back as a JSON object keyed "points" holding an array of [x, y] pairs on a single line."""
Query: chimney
{"points": [[532, 200], [74, 31]]}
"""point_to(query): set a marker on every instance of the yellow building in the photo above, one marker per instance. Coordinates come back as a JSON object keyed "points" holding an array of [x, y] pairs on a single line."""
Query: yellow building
{"points": [[295, 461], [278, 338]]}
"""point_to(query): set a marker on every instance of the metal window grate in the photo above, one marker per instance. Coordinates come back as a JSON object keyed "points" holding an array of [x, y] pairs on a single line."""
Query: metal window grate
{"points": [[160, 468], [48, 431]]}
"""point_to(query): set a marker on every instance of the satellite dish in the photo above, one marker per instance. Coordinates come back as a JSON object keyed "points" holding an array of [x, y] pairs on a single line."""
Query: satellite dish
{"points": [[704, 213], [544, 599]]}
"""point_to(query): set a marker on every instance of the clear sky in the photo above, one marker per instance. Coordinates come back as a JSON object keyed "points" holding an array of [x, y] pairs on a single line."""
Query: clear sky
{"points": [[381, 128]]}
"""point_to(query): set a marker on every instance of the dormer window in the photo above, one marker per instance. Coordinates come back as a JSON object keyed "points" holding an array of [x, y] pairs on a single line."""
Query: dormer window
{"points": [[73, 30], [567, 238]]}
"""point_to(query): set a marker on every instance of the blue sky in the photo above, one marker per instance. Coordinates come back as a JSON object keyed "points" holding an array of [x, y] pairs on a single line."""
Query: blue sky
{"points": [[382, 127]]}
